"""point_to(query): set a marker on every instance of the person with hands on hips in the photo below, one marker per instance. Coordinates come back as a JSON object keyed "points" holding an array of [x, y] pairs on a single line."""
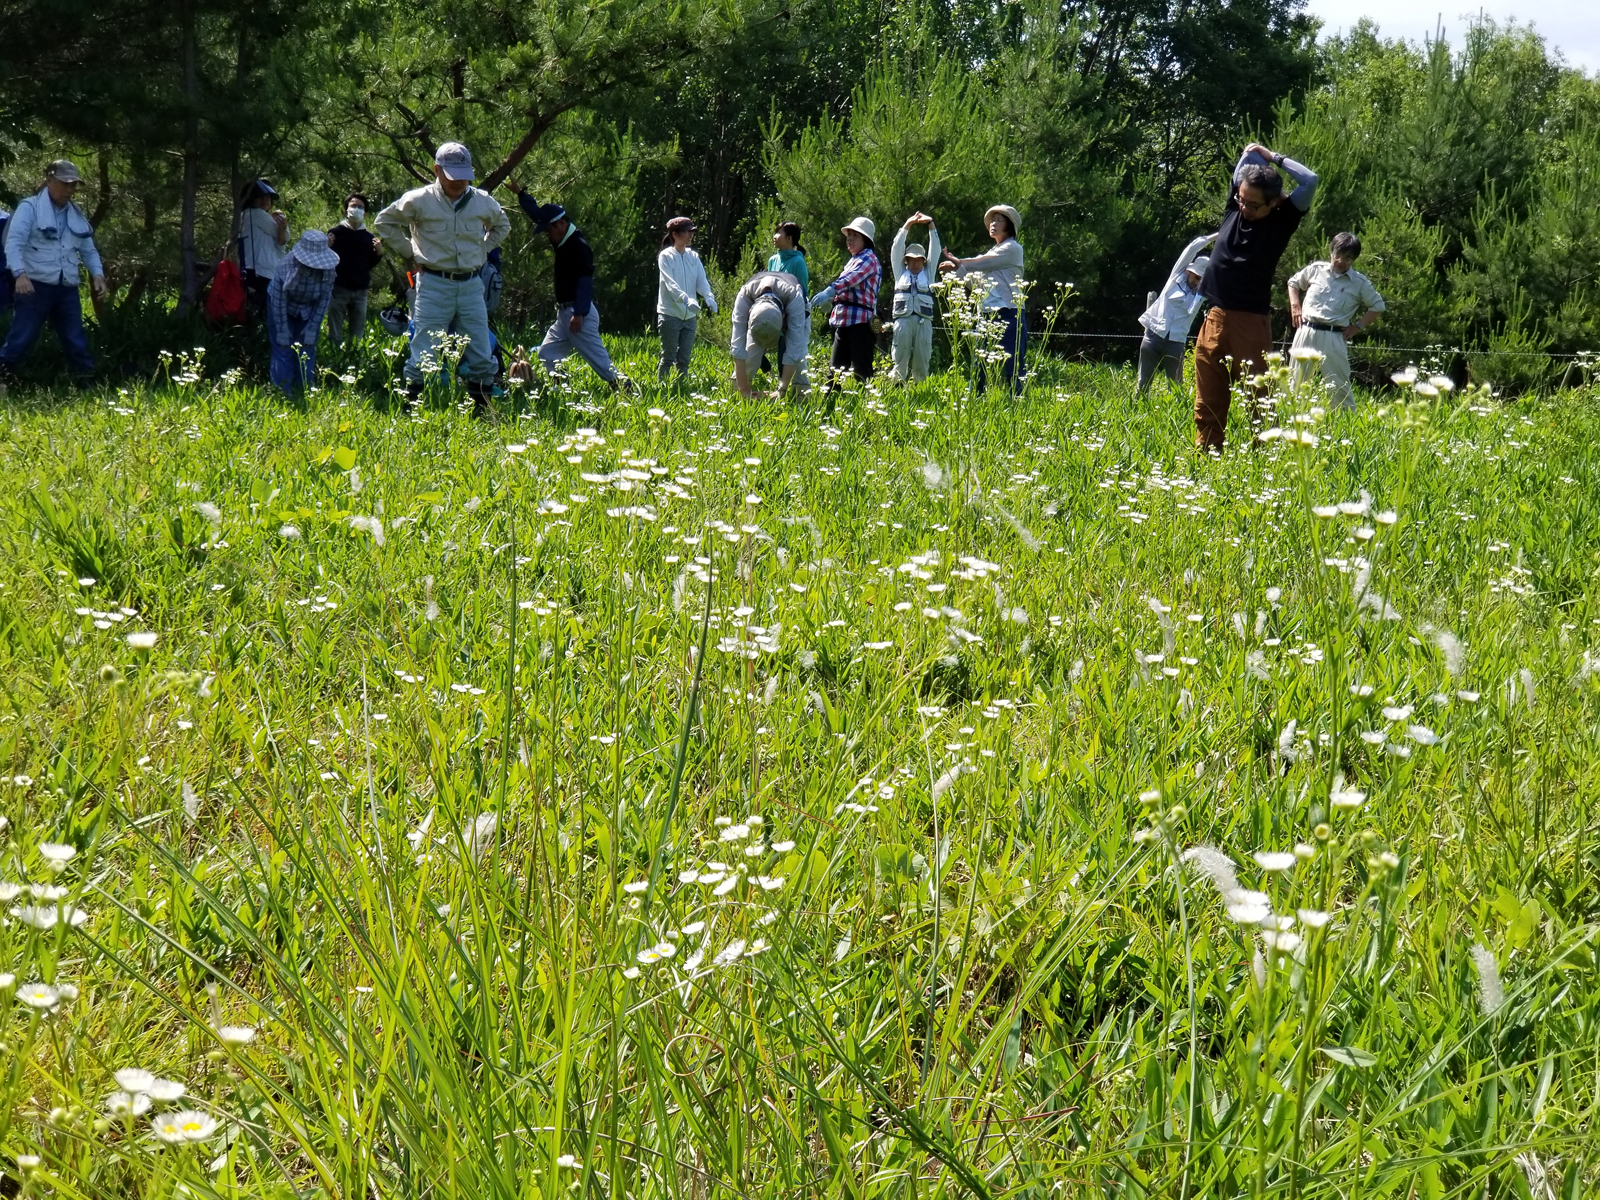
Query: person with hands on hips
{"points": [[913, 299], [49, 241], [1324, 300], [576, 329], [681, 286]]}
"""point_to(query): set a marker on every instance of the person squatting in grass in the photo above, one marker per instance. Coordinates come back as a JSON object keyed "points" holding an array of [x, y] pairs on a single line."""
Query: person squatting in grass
{"points": [[576, 329], [1172, 311], [48, 241], [448, 227], [770, 314], [263, 241], [852, 303], [1324, 300], [358, 249], [1237, 334], [913, 299], [681, 287], [297, 299], [1001, 268]]}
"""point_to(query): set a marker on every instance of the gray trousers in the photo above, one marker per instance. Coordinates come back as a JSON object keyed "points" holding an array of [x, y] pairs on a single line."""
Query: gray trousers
{"points": [[1164, 352], [348, 306], [677, 344], [913, 348], [560, 342]]}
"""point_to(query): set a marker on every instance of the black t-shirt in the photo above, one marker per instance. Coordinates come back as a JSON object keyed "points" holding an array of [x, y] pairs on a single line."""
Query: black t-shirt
{"points": [[1246, 255], [357, 251]]}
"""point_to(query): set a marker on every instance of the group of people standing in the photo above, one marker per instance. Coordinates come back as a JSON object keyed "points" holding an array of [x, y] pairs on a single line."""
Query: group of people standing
{"points": [[1330, 303], [450, 232], [772, 309]]}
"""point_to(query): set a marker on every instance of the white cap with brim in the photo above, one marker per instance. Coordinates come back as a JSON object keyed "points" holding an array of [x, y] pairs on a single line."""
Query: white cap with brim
{"points": [[916, 251], [863, 226], [766, 327], [455, 160], [313, 250], [1199, 265]]}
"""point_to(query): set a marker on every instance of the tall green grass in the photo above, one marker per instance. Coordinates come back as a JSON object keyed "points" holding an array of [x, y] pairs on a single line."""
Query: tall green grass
{"points": [[678, 795]]}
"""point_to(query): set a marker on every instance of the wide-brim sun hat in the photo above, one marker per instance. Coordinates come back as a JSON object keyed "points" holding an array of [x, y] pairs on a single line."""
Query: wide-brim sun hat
{"points": [[313, 250], [863, 226], [1199, 265], [766, 326], [1009, 213]]}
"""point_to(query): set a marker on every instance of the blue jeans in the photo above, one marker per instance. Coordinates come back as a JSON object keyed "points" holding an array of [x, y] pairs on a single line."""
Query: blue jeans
{"points": [[61, 306], [440, 303], [1014, 341], [293, 368], [560, 342]]}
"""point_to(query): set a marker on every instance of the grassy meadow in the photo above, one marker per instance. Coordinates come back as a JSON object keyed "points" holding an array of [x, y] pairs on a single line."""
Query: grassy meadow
{"points": [[683, 796]]}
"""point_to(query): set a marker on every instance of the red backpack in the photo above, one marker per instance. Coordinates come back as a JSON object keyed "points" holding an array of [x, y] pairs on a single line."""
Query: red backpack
{"points": [[225, 301]]}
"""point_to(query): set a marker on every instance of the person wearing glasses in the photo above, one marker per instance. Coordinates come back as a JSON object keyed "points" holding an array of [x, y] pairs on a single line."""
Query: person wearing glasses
{"points": [[1237, 335], [48, 242]]}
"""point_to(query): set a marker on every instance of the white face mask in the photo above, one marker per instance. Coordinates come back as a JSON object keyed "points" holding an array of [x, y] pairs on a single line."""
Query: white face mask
{"points": [[355, 215]]}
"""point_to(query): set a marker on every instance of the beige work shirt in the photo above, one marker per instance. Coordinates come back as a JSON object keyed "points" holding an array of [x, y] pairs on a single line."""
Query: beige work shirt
{"points": [[444, 234], [1331, 299]]}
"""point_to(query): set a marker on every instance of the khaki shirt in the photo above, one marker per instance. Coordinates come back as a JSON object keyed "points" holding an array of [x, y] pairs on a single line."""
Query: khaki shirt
{"points": [[445, 235], [1331, 299]]}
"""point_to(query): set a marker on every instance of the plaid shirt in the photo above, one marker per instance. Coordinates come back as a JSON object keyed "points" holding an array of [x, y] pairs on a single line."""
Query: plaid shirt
{"points": [[300, 293], [855, 292]]}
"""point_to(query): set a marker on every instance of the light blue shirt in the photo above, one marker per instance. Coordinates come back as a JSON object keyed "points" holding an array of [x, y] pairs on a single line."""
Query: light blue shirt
{"points": [[50, 244]]}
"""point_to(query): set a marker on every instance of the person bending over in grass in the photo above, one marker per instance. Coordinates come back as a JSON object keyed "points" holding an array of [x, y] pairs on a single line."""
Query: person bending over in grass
{"points": [[1324, 300], [770, 314], [1166, 322], [1237, 334], [576, 329], [297, 299]]}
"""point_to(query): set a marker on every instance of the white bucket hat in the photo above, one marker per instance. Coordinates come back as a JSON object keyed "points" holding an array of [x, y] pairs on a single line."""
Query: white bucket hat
{"points": [[1009, 213], [313, 250], [916, 250], [863, 226]]}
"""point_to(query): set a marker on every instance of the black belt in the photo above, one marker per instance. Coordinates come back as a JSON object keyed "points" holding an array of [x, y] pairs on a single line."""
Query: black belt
{"points": [[1324, 326], [452, 276]]}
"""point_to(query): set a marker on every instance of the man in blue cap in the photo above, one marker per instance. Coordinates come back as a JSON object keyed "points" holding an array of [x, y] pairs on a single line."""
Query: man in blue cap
{"points": [[576, 329], [448, 228]]}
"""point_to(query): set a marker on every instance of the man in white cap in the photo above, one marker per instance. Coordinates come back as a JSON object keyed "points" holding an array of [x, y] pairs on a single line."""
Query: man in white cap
{"points": [[913, 299], [448, 227], [297, 300], [852, 303], [1166, 322], [770, 313], [48, 241]]}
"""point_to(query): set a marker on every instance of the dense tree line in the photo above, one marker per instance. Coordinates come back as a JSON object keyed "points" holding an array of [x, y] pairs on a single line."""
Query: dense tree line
{"points": [[1473, 172]]}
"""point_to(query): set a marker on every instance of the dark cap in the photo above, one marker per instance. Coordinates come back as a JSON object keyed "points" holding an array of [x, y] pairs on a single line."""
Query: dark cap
{"points": [[680, 225]]}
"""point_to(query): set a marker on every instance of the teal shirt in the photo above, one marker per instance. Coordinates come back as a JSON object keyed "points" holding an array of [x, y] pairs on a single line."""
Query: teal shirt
{"points": [[794, 263]]}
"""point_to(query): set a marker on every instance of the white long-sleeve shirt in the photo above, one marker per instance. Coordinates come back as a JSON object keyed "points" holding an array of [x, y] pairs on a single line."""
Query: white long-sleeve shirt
{"points": [[1177, 303], [682, 283], [912, 294], [1002, 267], [47, 244], [260, 251]]}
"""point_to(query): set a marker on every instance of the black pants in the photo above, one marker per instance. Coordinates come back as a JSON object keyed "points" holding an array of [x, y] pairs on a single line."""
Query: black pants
{"points": [[255, 291], [853, 346]]}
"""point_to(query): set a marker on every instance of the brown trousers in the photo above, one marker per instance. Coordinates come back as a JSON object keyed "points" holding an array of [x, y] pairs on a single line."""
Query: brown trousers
{"points": [[1231, 348]]}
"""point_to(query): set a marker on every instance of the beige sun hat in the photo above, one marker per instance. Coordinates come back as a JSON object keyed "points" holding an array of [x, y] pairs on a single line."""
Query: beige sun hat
{"points": [[1009, 213], [916, 250], [863, 226]]}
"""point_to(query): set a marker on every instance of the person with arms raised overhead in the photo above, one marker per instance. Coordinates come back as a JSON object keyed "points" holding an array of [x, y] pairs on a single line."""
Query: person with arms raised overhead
{"points": [[448, 227], [576, 329], [48, 242], [1330, 305], [1237, 334], [358, 249], [1166, 322], [913, 299]]}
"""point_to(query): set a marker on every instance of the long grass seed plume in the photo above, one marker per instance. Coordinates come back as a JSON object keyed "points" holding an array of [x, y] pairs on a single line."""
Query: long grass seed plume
{"points": [[1491, 994], [1451, 647], [1215, 866], [1169, 637]]}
